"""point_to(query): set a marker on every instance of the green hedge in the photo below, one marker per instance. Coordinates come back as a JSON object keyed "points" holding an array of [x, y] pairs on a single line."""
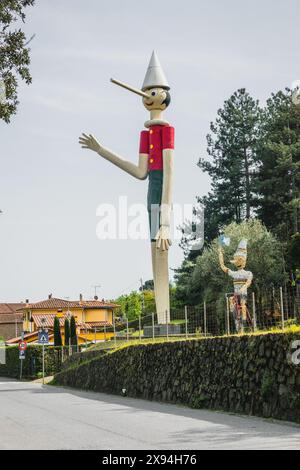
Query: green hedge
{"points": [[243, 374], [32, 365]]}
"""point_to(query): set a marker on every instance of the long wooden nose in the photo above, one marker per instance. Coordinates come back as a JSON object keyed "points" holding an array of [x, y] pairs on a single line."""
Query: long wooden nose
{"points": [[130, 88]]}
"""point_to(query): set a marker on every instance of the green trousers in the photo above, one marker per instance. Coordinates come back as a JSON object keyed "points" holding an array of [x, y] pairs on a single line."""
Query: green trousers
{"points": [[154, 200]]}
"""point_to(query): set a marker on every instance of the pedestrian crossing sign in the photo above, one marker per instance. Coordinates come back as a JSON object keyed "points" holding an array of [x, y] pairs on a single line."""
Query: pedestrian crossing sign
{"points": [[43, 337]]}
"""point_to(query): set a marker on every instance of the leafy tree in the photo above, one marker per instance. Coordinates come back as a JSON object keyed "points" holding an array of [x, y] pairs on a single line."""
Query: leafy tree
{"points": [[67, 332], [57, 332], [174, 303], [73, 332], [148, 285], [149, 302], [206, 281], [279, 176], [182, 278], [14, 54], [131, 305], [255, 171]]}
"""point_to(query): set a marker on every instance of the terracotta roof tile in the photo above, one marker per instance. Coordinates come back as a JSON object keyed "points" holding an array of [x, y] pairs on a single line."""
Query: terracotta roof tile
{"points": [[10, 308], [9, 313], [47, 321], [54, 303]]}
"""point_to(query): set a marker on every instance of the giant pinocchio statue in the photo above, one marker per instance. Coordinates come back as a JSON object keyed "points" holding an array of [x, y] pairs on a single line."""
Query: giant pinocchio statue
{"points": [[156, 164]]}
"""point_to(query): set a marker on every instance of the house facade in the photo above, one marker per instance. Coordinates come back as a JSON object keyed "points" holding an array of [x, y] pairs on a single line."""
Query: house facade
{"points": [[94, 318], [11, 320]]}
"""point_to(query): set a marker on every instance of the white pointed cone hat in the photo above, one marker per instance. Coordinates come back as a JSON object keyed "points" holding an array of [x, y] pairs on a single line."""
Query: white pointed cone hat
{"points": [[155, 76], [242, 248]]}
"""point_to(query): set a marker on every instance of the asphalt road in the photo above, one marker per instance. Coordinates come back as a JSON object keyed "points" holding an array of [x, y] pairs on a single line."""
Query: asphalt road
{"points": [[33, 416]]}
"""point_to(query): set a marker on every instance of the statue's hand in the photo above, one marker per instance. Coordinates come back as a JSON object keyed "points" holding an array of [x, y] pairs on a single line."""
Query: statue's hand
{"points": [[162, 238], [89, 142]]}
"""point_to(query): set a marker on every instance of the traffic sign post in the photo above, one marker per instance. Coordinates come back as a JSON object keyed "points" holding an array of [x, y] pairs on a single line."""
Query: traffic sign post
{"points": [[22, 358], [43, 364], [22, 354], [43, 340], [22, 346]]}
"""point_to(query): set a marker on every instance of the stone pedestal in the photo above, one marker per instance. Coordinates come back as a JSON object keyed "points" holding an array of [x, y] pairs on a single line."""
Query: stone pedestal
{"points": [[161, 330]]}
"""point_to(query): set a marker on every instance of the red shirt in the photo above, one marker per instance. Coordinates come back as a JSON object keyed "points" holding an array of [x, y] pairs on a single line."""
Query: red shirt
{"points": [[154, 141]]}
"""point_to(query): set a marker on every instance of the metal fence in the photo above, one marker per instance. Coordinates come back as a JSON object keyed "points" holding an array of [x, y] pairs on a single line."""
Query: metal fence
{"points": [[277, 308]]}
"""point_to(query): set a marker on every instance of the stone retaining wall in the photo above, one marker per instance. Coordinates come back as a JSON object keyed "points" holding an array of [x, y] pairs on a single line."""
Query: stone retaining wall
{"points": [[246, 374]]}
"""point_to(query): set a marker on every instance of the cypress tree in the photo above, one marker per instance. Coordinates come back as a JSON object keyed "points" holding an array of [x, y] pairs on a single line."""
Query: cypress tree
{"points": [[67, 332], [73, 332], [57, 333]]}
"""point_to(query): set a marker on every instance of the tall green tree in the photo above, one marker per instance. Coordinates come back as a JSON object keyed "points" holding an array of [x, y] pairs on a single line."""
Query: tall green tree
{"points": [[57, 333], [279, 173], [232, 150], [130, 305], [14, 55], [67, 332], [183, 275], [73, 332]]}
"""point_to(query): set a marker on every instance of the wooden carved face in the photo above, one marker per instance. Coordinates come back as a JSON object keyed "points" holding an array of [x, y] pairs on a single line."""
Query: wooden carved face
{"points": [[159, 99], [239, 261]]}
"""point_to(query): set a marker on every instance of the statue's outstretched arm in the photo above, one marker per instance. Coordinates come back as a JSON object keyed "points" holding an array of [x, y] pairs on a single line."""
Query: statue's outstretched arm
{"points": [[221, 260], [139, 171]]}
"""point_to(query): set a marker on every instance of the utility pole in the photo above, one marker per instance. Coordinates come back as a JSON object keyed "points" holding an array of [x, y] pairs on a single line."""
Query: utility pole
{"points": [[143, 309], [143, 296]]}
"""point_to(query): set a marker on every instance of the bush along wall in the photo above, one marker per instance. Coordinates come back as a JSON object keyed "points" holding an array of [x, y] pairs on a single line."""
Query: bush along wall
{"points": [[255, 375], [32, 365]]}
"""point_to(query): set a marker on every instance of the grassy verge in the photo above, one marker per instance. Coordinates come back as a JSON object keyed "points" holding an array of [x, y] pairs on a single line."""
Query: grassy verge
{"points": [[120, 344]]}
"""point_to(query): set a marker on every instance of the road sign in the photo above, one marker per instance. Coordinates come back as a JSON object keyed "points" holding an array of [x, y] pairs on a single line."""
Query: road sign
{"points": [[43, 340], [43, 337], [22, 355], [22, 345]]}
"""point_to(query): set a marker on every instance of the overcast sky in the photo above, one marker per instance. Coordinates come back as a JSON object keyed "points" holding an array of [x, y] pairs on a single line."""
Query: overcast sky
{"points": [[50, 189]]}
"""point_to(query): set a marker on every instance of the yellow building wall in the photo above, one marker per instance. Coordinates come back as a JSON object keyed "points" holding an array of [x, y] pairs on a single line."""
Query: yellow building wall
{"points": [[92, 315], [89, 315]]}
